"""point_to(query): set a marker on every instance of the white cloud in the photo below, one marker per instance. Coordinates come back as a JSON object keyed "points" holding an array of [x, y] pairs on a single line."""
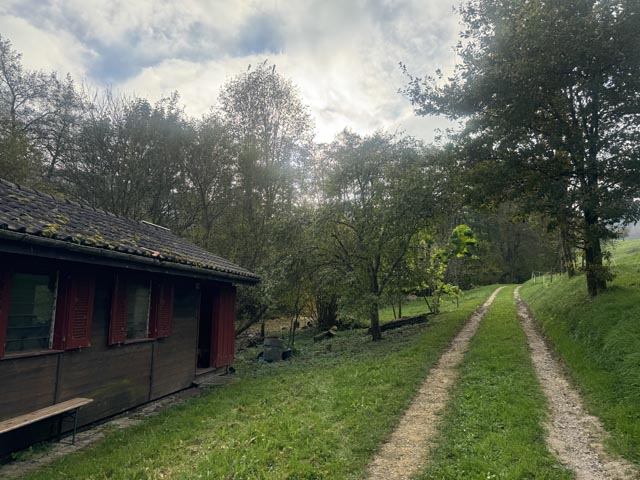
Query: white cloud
{"points": [[43, 50], [343, 56]]}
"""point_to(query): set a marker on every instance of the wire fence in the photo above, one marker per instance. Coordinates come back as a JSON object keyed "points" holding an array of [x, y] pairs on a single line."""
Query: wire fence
{"points": [[543, 277]]}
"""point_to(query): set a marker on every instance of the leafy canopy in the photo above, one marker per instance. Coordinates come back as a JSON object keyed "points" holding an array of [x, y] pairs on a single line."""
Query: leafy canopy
{"points": [[551, 95]]}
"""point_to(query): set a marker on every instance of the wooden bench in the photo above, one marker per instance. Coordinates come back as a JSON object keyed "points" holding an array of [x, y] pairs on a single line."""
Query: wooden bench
{"points": [[68, 408]]}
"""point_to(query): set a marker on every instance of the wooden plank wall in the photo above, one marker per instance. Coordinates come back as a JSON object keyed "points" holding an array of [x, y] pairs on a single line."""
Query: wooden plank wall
{"points": [[116, 377], [27, 384], [175, 356]]}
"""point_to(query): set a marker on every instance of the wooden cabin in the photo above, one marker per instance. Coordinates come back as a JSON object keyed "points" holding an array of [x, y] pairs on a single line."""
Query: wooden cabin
{"points": [[98, 306]]}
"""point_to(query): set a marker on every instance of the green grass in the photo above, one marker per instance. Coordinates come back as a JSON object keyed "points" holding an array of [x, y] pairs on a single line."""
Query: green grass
{"points": [[599, 342], [416, 307], [492, 428], [322, 415]]}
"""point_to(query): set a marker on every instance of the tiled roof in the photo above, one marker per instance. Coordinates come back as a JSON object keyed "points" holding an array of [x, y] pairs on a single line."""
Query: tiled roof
{"points": [[33, 213]]}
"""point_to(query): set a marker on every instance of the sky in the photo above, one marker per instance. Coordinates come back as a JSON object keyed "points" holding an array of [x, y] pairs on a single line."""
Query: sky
{"points": [[343, 55]]}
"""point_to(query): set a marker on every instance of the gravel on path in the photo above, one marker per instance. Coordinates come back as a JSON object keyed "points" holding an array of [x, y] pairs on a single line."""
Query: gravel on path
{"points": [[573, 435], [405, 452]]}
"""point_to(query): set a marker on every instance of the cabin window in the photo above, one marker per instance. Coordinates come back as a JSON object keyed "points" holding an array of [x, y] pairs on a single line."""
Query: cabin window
{"points": [[138, 298], [140, 308], [45, 310], [31, 311]]}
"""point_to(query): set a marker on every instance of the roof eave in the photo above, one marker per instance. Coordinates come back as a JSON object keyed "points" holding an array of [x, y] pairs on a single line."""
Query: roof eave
{"points": [[23, 243]]}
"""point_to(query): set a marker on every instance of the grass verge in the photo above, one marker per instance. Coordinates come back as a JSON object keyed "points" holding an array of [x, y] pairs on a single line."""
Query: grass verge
{"points": [[599, 342], [321, 415], [418, 306], [493, 427]]}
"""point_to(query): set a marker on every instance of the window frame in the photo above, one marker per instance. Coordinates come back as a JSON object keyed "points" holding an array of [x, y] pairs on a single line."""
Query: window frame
{"points": [[72, 311], [159, 310], [6, 280], [148, 284]]}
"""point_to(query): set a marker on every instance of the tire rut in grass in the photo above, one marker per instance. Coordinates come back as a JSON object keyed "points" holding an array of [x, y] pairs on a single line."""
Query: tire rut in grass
{"points": [[405, 451], [573, 435]]}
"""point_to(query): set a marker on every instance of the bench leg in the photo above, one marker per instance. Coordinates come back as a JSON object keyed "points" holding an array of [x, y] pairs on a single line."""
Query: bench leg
{"points": [[72, 414], [75, 426]]}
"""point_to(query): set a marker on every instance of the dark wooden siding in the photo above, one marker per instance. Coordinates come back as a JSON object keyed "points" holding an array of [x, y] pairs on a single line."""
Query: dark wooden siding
{"points": [[117, 377], [27, 384], [174, 361]]}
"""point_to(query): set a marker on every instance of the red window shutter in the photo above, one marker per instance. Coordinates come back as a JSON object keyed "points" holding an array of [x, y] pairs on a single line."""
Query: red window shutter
{"points": [[161, 315], [224, 313], [80, 298], [118, 324], [5, 293]]}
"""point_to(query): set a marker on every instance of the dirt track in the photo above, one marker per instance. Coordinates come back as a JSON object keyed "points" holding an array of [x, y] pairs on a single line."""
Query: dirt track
{"points": [[405, 451], [573, 435]]}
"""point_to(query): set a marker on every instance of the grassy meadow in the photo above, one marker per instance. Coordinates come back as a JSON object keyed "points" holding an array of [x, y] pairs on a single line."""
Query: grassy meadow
{"points": [[321, 415], [325, 413]]}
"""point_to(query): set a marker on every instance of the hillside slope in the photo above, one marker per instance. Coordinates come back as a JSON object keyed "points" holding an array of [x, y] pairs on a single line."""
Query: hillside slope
{"points": [[599, 342]]}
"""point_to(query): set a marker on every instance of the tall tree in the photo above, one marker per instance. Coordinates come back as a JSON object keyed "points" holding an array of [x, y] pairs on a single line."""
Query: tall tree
{"points": [[273, 132], [379, 193], [38, 112], [551, 92], [129, 158], [210, 162]]}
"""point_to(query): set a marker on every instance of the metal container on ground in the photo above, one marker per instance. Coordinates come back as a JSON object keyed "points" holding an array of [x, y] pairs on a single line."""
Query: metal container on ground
{"points": [[273, 348]]}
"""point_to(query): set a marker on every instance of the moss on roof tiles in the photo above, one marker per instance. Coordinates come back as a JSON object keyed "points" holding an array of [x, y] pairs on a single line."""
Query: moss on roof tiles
{"points": [[34, 213]]}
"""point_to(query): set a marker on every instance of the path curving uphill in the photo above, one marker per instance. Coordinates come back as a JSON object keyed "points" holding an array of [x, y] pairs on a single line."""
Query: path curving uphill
{"points": [[573, 435], [405, 451]]}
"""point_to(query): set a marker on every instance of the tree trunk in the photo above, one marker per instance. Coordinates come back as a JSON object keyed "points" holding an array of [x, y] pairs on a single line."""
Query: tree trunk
{"points": [[376, 334], [593, 255], [400, 308], [428, 305], [568, 259], [596, 278], [293, 327], [326, 308], [291, 331]]}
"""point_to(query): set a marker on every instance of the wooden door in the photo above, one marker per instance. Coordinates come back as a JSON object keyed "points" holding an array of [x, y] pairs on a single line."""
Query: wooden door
{"points": [[223, 319]]}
